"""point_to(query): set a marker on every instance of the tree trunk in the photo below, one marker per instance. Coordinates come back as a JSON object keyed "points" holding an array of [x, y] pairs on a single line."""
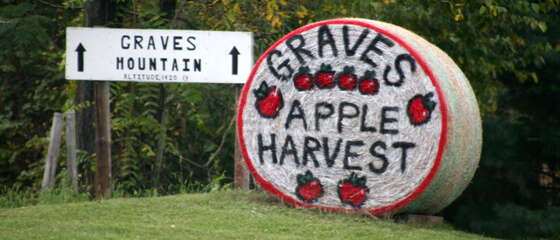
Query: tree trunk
{"points": [[160, 148], [96, 13], [167, 7], [85, 136]]}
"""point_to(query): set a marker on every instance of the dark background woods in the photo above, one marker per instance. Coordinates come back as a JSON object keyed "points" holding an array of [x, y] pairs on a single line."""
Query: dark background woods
{"points": [[509, 50]]}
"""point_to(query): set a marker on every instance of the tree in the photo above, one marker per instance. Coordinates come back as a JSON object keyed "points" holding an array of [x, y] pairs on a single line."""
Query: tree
{"points": [[32, 85], [516, 190]]}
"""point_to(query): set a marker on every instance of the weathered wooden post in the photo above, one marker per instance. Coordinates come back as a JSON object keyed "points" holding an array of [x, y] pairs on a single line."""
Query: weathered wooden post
{"points": [[242, 178], [71, 149], [49, 176], [103, 178]]}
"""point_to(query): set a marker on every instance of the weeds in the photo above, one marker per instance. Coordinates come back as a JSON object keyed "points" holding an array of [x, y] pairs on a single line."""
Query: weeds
{"points": [[16, 196]]}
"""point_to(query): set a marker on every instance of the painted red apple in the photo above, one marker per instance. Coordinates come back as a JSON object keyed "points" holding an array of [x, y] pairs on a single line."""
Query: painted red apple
{"points": [[368, 85], [269, 100], [353, 190], [420, 108], [303, 80], [347, 80], [309, 188], [325, 77]]}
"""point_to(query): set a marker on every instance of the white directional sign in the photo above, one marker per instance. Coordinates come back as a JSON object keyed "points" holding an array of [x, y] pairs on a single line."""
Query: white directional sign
{"points": [[158, 55]]}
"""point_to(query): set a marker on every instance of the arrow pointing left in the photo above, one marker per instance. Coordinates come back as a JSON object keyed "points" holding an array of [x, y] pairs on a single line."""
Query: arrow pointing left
{"points": [[80, 49]]}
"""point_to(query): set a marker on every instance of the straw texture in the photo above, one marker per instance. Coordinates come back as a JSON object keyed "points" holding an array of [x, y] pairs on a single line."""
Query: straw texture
{"points": [[359, 115]]}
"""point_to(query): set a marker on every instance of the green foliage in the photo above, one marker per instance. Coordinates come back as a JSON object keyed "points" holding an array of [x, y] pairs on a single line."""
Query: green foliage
{"points": [[511, 221], [31, 86], [23, 29], [485, 43], [206, 112], [517, 176], [515, 191]]}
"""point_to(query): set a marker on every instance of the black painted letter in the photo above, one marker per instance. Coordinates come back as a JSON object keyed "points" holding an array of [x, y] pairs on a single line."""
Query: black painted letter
{"points": [[284, 64], [373, 152], [351, 51], [363, 127], [289, 151], [310, 145], [348, 154], [326, 37], [373, 47], [405, 146], [322, 115], [385, 120], [330, 158], [299, 49], [123, 45], [271, 148], [342, 115], [398, 60], [300, 114]]}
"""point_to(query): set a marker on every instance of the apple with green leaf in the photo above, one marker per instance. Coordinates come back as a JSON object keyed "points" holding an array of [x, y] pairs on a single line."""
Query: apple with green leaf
{"points": [[269, 100]]}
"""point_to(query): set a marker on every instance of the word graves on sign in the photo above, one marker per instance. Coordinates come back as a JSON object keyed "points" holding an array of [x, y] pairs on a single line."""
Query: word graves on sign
{"points": [[355, 115], [158, 55]]}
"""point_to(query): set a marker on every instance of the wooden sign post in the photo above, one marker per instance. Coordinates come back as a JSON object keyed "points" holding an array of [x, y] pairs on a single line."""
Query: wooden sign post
{"points": [[103, 174], [358, 115]]}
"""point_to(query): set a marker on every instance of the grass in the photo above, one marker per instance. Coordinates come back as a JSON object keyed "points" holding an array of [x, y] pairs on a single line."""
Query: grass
{"points": [[217, 215]]}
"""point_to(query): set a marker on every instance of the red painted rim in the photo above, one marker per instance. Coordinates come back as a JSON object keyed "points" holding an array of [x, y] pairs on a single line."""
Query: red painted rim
{"points": [[378, 211]]}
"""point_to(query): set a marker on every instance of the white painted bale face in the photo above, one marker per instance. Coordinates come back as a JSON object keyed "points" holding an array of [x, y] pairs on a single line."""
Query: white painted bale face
{"points": [[344, 116]]}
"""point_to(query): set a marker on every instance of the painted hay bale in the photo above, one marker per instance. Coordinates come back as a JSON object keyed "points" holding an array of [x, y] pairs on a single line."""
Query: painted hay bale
{"points": [[357, 115]]}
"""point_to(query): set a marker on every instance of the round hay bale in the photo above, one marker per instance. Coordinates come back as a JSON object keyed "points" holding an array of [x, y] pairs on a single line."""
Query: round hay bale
{"points": [[358, 115]]}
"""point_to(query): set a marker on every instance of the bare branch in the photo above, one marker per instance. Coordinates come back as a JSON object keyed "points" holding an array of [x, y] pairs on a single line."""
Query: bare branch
{"points": [[187, 22], [221, 102], [544, 187], [196, 164], [204, 1], [263, 35], [131, 13], [221, 144], [554, 175], [57, 6]]}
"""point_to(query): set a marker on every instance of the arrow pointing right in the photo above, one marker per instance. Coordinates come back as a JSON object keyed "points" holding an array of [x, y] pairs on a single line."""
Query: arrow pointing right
{"points": [[234, 53], [80, 49]]}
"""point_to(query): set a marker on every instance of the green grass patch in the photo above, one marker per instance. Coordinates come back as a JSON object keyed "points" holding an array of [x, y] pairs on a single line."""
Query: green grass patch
{"points": [[216, 215], [22, 197]]}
